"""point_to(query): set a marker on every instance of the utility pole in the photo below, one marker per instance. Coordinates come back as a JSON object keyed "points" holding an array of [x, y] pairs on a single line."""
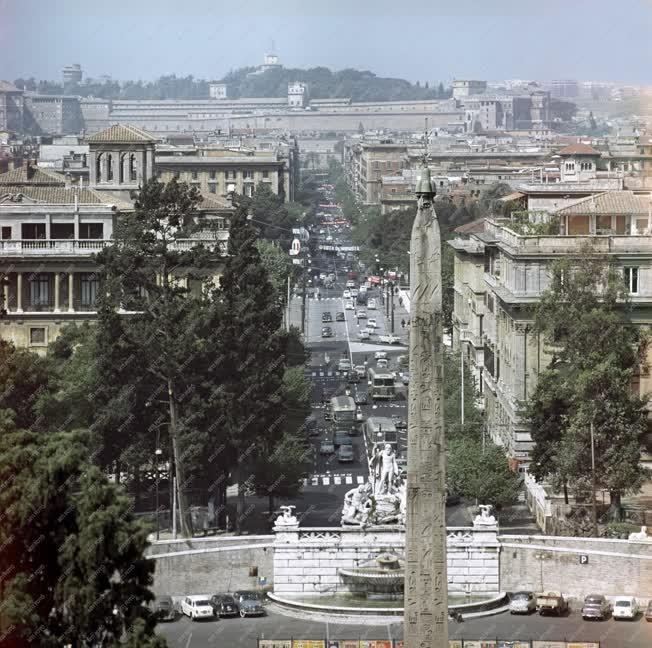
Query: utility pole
{"points": [[287, 321], [303, 296], [594, 505], [391, 288]]}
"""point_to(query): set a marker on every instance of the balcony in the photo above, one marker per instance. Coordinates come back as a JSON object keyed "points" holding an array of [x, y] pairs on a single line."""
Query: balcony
{"points": [[88, 247], [560, 245]]}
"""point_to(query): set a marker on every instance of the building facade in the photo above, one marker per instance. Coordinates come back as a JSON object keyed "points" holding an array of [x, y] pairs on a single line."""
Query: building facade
{"points": [[494, 305], [12, 108], [464, 88]]}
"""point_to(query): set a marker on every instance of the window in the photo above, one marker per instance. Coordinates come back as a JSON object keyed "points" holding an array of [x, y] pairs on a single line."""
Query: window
{"points": [[248, 175], [211, 187], [88, 289], [33, 231], [39, 291], [265, 175], [249, 191], [211, 174], [91, 230], [631, 280], [194, 175], [37, 336], [59, 231], [6, 233]]}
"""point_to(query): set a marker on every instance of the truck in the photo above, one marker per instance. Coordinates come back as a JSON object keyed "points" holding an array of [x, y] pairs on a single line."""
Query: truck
{"points": [[551, 603]]}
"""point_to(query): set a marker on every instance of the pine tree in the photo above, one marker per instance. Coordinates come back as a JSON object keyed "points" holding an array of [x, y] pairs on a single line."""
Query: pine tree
{"points": [[249, 344], [147, 271], [73, 562]]}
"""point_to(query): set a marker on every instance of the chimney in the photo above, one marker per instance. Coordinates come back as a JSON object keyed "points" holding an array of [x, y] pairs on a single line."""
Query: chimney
{"points": [[67, 180], [30, 169]]}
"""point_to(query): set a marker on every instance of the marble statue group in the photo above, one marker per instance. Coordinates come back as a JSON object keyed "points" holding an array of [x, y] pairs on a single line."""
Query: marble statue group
{"points": [[382, 499]]}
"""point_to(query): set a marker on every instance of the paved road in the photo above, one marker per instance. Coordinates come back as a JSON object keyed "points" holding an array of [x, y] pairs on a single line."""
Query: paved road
{"points": [[228, 633]]}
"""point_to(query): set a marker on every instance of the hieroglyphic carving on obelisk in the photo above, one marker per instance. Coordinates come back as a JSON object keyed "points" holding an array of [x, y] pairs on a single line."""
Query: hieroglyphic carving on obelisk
{"points": [[426, 595]]}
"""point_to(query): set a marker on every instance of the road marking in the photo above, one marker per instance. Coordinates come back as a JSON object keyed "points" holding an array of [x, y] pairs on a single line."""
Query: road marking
{"points": [[349, 479], [337, 480], [326, 481], [189, 639]]}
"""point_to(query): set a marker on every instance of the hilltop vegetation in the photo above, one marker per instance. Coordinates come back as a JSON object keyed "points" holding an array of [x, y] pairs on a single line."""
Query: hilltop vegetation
{"points": [[323, 83]]}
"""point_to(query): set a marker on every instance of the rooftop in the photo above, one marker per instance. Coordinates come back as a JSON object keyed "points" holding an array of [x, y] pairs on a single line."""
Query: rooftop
{"points": [[121, 133], [579, 149], [609, 202], [5, 86]]}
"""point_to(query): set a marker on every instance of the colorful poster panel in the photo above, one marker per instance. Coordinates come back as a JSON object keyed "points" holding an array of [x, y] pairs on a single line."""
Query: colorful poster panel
{"points": [[274, 643], [308, 643], [548, 644]]}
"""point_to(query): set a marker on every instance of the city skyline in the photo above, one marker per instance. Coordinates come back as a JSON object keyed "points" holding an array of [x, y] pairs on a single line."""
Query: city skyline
{"points": [[424, 43]]}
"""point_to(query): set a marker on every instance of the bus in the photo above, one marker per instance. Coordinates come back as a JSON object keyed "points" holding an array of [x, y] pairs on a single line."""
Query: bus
{"points": [[381, 384], [343, 413], [379, 430]]}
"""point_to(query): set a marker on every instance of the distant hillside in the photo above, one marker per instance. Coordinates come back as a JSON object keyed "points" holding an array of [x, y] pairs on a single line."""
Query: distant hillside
{"points": [[323, 83]]}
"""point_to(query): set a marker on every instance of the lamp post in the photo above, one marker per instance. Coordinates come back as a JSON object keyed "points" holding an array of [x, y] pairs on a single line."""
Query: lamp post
{"points": [[157, 453]]}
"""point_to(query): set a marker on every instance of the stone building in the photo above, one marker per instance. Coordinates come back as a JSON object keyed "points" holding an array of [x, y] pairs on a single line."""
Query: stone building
{"points": [[218, 90], [52, 114], [464, 88], [297, 94], [50, 228], [12, 108], [71, 74], [500, 273]]}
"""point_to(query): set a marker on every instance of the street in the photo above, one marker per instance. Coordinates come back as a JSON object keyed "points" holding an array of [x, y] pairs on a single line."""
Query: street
{"points": [[227, 633]]}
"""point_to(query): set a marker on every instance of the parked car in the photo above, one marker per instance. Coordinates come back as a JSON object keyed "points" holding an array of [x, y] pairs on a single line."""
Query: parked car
{"points": [[353, 377], [371, 323], [371, 305], [405, 377], [363, 334], [595, 606], [354, 293], [340, 317], [380, 355], [349, 306], [250, 603], [522, 603], [350, 283], [326, 447], [224, 605], [626, 607], [341, 438], [552, 603], [399, 423], [197, 607], [389, 339], [382, 363], [648, 612], [326, 332], [345, 454], [326, 317], [163, 608]]}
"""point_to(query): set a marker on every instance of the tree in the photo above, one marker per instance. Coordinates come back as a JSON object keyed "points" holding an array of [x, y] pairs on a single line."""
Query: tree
{"points": [[271, 216], [596, 357], [278, 265], [481, 474], [148, 273], [73, 562], [249, 344]]}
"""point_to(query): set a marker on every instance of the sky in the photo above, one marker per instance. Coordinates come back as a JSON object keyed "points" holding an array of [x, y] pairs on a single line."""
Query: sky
{"points": [[425, 40]]}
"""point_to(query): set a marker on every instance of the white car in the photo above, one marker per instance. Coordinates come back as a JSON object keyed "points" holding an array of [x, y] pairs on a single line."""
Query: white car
{"points": [[344, 365], [389, 339], [371, 323], [350, 284], [361, 314], [197, 607], [380, 355], [371, 305], [354, 293], [382, 363], [625, 607], [349, 306], [346, 294], [363, 334]]}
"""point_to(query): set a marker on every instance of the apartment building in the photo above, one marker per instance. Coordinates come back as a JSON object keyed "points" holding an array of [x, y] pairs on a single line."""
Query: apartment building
{"points": [[500, 273], [51, 228]]}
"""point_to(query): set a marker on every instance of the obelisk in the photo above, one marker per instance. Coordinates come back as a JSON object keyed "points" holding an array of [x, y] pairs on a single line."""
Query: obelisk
{"points": [[426, 595]]}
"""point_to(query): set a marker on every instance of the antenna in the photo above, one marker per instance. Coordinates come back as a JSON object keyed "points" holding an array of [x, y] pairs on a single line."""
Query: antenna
{"points": [[273, 47]]}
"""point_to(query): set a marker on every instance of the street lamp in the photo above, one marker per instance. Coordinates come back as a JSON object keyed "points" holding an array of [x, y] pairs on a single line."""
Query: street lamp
{"points": [[157, 453]]}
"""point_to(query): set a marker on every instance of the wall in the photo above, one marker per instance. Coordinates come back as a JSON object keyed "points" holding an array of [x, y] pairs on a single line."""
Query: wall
{"points": [[211, 565], [306, 561], [614, 566]]}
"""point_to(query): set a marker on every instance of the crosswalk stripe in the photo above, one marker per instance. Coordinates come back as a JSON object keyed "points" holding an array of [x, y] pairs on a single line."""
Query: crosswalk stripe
{"points": [[349, 479]]}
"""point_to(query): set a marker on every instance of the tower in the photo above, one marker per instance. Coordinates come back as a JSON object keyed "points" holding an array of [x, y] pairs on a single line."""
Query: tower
{"points": [[121, 159]]}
